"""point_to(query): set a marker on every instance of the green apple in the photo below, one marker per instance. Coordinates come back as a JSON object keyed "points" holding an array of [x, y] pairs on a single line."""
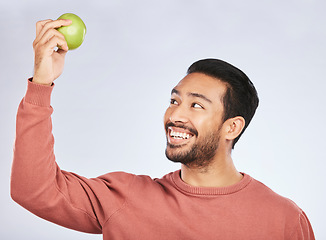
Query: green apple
{"points": [[75, 32]]}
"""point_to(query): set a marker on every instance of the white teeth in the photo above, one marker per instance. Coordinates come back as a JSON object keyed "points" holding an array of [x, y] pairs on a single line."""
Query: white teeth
{"points": [[179, 135]]}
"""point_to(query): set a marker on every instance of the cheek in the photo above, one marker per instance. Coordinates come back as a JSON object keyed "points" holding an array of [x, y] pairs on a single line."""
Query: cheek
{"points": [[166, 116], [205, 125]]}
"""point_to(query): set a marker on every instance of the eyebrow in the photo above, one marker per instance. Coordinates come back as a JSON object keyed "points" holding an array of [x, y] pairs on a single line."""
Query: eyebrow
{"points": [[198, 95]]}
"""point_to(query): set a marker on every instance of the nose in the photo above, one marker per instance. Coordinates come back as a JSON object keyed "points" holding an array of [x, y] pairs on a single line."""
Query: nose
{"points": [[179, 114]]}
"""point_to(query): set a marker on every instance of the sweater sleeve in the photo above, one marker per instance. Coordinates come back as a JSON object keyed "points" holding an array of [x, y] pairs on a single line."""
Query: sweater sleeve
{"points": [[40, 186]]}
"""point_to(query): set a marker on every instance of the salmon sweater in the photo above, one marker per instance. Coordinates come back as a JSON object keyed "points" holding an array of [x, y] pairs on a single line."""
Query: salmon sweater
{"points": [[120, 205]]}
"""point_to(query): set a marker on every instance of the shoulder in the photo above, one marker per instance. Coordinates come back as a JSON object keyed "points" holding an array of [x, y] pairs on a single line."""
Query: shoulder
{"points": [[273, 203], [285, 211], [117, 177], [142, 181], [280, 212]]}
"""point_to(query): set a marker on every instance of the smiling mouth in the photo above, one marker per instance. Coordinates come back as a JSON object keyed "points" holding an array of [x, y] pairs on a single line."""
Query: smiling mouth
{"points": [[178, 136]]}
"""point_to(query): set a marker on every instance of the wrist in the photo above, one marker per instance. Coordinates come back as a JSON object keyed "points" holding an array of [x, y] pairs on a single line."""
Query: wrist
{"points": [[37, 81]]}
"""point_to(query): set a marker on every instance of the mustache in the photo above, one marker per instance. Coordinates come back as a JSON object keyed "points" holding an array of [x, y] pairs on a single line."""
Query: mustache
{"points": [[171, 124]]}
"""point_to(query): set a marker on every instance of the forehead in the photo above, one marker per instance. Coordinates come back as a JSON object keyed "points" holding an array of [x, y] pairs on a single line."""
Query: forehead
{"points": [[200, 83]]}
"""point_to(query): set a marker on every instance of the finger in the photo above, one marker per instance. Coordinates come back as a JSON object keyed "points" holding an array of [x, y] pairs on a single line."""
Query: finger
{"points": [[40, 25], [48, 48], [57, 42], [50, 34], [52, 24]]}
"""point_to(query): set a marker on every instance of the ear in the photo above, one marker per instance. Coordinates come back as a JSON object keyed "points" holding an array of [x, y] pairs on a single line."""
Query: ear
{"points": [[234, 127]]}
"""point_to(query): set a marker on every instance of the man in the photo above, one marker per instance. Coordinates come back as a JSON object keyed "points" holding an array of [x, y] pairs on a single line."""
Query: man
{"points": [[207, 199]]}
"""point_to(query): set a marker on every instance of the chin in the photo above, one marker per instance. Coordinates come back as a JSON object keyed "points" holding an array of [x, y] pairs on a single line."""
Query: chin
{"points": [[195, 155], [175, 153]]}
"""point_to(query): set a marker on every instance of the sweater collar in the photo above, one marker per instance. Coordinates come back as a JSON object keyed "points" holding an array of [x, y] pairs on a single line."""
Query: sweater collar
{"points": [[186, 188]]}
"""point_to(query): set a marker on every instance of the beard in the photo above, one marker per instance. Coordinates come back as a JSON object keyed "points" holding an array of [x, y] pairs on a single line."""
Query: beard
{"points": [[200, 153]]}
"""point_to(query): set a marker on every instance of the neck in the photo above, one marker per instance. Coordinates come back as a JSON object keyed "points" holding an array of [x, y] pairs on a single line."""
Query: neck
{"points": [[220, 173]]}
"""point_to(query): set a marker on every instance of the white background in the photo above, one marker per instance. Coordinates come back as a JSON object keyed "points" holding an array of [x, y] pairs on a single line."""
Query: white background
{"points": [[109, 102]]}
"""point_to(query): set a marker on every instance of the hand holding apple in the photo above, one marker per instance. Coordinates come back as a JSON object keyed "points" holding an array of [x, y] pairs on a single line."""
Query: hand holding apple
{"points": [[48, 63], [66, 33], [75, 32]]}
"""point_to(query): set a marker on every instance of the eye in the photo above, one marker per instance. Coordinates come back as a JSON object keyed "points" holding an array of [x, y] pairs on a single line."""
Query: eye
{"points": [[173, 102], [196, 105]]}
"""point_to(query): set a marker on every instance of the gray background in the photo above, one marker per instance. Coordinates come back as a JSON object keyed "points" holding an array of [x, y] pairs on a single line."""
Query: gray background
{"points": [[109, 102]]}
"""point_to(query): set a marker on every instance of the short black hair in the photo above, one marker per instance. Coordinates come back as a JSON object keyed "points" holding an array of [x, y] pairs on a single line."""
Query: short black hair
{"points": [[240, 99]]}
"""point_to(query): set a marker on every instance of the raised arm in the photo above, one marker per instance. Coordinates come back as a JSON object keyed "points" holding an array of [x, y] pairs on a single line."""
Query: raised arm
{"points": [[37, 183]]}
